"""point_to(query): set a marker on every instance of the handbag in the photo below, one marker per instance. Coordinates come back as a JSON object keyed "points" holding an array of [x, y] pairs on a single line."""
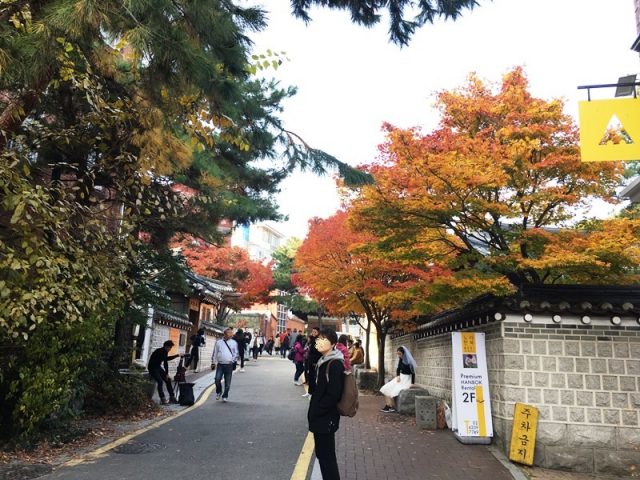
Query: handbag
{"points": [[348, 404], [292, 355], [234, 364]]}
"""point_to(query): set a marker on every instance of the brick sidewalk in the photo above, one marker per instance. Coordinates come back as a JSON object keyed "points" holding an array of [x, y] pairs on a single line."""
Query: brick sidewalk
{"points": [[378, 446]]}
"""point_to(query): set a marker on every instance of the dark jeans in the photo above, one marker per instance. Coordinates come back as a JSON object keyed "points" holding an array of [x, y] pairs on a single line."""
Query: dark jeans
{"points": [[311, 378], [326, 455], [299, 370], [254, 350], [283, 352], [242, 359], [226, 370], [161, 377]]}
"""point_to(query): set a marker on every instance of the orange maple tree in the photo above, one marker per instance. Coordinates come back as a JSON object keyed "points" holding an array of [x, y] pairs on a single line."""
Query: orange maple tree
{"points": [[251, 279], [336, 270], [493, 194]]}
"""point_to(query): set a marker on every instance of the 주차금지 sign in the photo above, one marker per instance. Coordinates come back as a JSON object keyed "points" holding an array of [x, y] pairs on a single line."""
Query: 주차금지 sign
{"points": [[523, 434], [471, 413], [610, 130]]}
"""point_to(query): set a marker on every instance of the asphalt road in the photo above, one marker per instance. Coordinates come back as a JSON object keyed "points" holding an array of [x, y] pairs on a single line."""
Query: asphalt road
{"points": [[258, 434]]}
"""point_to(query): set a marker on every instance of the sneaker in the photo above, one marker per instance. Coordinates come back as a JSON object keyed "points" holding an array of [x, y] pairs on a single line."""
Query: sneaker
{"points": [[387, 409], [242, 369], [391, 410], [164, 401], [218, 396], [173, 400], [224, 399], [306, 395]]}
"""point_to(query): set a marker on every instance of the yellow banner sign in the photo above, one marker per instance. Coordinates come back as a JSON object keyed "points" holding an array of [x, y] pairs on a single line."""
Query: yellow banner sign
{"points": [[468, 342], [610, 130], [523, 434]]}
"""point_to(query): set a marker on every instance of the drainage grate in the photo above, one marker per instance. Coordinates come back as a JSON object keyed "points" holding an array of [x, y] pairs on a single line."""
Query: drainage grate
{"points": [[24, 471], [133, 448]]}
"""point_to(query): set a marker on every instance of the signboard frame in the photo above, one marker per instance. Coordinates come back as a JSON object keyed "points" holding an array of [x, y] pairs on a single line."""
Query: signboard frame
{"points": [[471, 410]]}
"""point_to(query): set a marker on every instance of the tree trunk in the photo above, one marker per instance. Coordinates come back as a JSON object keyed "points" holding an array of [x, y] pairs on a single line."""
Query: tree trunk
{"points": [[381, 344], [123, 342], [367, 357]]}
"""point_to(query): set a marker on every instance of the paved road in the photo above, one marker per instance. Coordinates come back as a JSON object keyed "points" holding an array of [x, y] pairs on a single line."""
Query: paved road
{"points": [[257, 435]]}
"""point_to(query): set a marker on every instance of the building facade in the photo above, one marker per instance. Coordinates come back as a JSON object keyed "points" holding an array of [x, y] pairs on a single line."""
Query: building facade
{"points": [[260, 240]]}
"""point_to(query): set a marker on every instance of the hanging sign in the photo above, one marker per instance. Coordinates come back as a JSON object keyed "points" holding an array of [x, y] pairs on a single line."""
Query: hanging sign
{"points": [[194, 304], [523, 434], [471, 414], [610, 130]]}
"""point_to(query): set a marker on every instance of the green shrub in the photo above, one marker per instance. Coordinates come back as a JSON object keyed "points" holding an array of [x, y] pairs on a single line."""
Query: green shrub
{"points": [[114, 393], [42, 382]]}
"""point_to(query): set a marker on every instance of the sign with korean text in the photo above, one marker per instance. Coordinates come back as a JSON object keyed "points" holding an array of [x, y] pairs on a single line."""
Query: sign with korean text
{"points": [[194, 304], [610, 130], [523, 434], [471, 413]]}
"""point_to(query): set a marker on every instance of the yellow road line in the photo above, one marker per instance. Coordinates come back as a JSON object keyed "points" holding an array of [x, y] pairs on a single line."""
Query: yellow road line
{"points": [[101, 451], [304, 459]]}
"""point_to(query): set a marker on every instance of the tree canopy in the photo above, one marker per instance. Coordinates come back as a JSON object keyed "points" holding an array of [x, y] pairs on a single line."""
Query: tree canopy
{"points": [[122, 125], [336, 269], [405, 16], [492, 195]]}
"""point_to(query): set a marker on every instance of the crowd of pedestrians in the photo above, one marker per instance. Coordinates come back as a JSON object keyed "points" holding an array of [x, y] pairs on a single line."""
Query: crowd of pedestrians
{"points": [[321, 360]]}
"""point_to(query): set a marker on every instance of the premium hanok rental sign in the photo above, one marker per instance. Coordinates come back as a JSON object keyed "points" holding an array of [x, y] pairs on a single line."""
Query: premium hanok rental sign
{"points": [[471, 403]]}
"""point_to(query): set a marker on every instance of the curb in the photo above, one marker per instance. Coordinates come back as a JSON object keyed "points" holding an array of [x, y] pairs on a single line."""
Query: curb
{"points": [[515, 472]]}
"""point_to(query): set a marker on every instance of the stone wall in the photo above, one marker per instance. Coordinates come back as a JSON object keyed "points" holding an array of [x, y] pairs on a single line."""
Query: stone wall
{"points": [[583, 378], [433, 356]]}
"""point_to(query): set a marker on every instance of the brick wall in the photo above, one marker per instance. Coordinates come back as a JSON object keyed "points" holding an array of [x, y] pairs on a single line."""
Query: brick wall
{"points": [[584, 379]]}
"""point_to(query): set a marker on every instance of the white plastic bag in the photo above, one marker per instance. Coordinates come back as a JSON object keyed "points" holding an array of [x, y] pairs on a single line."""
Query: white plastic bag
{"points": [[447, 414]]}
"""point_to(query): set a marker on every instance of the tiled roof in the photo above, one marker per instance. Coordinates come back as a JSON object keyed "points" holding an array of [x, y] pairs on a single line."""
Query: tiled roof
{"points": [[555, 301]]}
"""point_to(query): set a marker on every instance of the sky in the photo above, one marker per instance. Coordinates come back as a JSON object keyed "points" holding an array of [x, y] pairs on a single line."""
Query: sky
{"points": [[351, 79]]}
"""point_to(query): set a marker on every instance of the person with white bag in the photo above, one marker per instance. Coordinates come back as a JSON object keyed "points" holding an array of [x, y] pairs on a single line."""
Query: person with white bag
{"points": [[405, 378]]}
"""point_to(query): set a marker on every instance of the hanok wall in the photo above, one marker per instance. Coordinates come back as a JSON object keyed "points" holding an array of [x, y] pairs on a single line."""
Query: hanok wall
{"points": [[581, 372]]}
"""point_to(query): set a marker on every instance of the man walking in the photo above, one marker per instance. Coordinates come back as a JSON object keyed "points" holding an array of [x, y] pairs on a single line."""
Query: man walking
{"points": [[158, 358], [225, 356]]}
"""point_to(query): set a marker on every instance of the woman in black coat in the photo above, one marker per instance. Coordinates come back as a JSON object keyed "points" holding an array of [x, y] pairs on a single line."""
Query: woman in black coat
{"points": [[323, 415]]}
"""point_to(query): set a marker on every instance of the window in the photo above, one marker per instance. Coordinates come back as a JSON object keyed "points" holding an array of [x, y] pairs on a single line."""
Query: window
{"points": [[282, 317]]}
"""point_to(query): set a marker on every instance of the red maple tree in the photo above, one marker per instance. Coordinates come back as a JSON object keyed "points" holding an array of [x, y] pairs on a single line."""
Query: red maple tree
{"points": [[251, 279]]}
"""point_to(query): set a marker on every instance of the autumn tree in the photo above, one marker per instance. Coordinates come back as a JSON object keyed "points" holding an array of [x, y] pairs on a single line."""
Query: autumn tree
{"points": [[493, 194], [251, 279], [332, 264]]}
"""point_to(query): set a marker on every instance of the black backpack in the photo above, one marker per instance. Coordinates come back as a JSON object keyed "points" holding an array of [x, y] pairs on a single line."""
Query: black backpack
{"points": [[186, 394]]}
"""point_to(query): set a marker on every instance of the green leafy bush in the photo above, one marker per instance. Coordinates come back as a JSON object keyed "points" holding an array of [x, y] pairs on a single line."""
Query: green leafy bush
{"points": [[114, 393]]}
